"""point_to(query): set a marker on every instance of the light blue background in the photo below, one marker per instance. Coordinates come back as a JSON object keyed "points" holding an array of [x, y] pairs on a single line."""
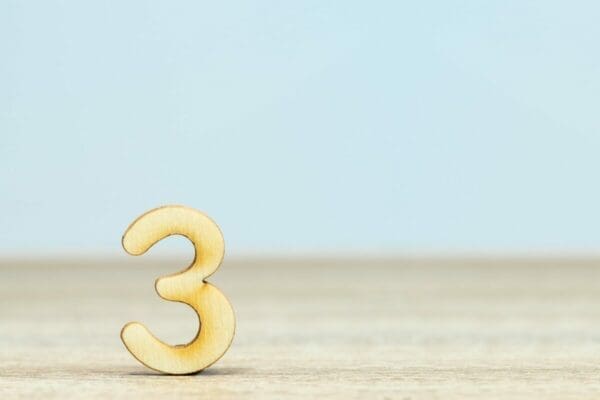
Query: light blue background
{"points": [[303, 126]]}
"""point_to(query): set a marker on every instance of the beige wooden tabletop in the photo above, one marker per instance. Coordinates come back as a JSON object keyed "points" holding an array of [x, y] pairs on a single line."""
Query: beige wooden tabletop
{"points": [[365, 329]]}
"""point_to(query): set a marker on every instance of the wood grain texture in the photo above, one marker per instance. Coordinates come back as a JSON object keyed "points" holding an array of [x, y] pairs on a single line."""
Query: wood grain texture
{"points": [[215, 314], [397, 329]]}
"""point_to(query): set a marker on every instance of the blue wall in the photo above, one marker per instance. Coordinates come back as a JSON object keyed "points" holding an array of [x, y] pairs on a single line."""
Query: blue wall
{"points": [[303, 126]]}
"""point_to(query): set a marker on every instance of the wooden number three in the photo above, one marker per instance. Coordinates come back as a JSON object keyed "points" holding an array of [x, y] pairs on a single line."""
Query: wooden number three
{"points": [[217, 321]]}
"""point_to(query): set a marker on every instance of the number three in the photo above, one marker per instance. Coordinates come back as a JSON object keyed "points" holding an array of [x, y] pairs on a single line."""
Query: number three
{"points": [[217, 321]]}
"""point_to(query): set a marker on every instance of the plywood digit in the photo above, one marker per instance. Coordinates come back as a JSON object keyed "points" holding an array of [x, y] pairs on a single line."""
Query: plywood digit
{"points": [[217, 320]]}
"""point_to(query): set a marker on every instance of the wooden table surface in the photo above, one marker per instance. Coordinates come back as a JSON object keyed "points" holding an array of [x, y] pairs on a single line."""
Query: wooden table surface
{"points": [[364, 329]]}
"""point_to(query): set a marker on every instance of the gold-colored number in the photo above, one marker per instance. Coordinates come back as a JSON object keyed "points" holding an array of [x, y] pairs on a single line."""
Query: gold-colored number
{"points": [[217, 321]]}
